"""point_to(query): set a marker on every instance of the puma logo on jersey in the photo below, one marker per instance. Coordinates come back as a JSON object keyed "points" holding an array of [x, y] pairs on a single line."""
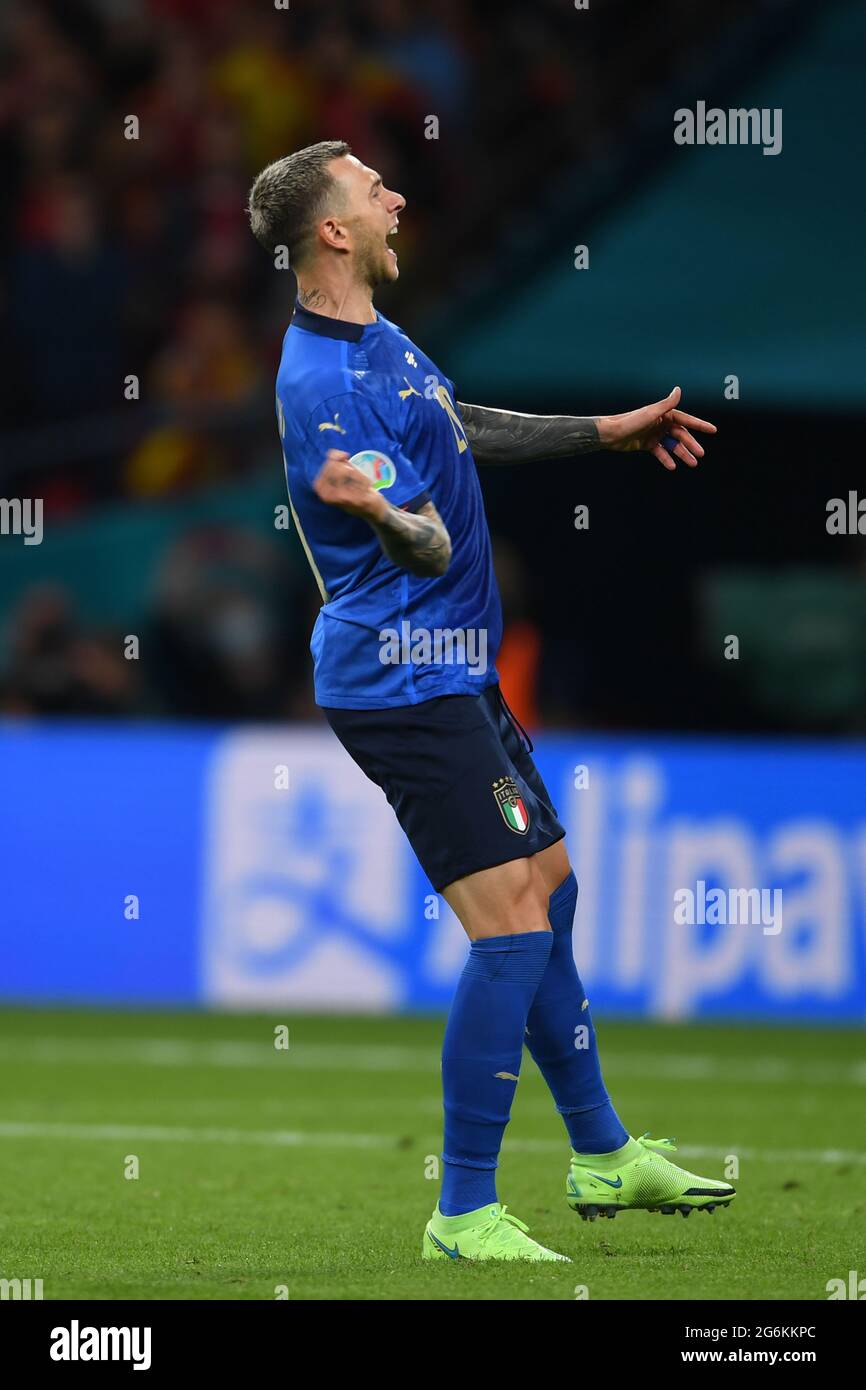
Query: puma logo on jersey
{"points": [[410, 390], [327, 425]]}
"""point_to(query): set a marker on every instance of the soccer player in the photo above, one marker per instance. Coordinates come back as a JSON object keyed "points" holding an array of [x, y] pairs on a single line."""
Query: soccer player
{"points": [[383, 490]]}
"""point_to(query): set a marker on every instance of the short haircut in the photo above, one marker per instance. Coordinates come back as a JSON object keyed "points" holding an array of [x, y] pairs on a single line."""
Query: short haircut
{"points": [[289, 196]]}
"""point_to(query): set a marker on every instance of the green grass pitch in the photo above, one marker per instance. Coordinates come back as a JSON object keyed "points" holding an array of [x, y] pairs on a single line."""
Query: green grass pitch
{"points": [[308, 1169]]}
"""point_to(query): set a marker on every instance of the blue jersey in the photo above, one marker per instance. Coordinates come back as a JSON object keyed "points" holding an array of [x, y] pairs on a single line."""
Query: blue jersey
{"points": [[385, 637]]}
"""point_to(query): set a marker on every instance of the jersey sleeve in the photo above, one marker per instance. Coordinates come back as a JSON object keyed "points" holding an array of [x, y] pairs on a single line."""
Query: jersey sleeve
{"points": [[354, 423]]}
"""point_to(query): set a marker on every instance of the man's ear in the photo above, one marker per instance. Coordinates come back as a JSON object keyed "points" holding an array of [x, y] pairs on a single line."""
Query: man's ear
{"points": [[334, 234]]}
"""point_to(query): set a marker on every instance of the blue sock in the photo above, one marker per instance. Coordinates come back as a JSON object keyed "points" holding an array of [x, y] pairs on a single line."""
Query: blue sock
{"points": [[481, 1061], [568, 1058]]}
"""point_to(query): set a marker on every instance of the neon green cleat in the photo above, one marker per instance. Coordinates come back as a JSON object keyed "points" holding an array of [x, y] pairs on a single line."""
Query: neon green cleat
{"points": [[643, 1180], [490, 1233]]}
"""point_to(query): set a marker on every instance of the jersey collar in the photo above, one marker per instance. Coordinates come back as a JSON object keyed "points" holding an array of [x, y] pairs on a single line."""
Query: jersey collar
{"points": [[327, 327]]}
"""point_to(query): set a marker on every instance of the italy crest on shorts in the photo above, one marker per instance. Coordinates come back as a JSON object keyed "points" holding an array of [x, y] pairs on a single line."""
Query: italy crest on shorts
{"points": [[511, 804]]}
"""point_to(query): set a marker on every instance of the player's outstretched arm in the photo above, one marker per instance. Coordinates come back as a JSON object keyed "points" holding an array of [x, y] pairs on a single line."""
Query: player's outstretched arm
{"points": [[414, 541], [505, 436]]}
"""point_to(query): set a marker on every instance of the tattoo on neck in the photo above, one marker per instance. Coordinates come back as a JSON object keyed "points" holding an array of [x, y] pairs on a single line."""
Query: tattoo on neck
{"points": [[313, 298]]}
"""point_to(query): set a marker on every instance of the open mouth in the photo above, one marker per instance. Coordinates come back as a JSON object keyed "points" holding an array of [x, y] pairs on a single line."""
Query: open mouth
{"points": [[392, 232]]}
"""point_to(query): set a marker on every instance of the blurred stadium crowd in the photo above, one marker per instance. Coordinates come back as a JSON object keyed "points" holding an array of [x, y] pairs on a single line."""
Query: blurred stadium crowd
{"points": [[131, 258], [224, 638]]}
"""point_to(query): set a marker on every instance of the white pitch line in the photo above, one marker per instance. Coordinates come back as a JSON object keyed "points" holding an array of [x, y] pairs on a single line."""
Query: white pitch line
{"points": [[185, 1134], [282, 1138], [375, 1057], [182, 1052]]}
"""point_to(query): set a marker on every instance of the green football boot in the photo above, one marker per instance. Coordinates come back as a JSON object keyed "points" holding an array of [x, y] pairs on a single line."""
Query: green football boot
{"points": [[490, 1233], [642, 1179]]}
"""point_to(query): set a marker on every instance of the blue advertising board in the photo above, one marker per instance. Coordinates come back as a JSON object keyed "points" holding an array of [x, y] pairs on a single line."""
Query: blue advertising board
{"points": [[249, 869]]}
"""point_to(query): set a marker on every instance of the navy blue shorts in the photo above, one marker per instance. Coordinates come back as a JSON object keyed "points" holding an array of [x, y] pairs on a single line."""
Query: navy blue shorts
{"points": [[459, 777]]}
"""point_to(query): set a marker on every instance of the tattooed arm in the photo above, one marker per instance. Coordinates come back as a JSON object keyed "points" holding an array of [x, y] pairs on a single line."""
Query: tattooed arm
{"points": [[506, 436], [414, 541]]}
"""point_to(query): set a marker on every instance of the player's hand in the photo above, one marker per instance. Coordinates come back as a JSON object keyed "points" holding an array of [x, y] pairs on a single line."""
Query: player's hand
{"points": [[648, 427], [340, 484]]}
